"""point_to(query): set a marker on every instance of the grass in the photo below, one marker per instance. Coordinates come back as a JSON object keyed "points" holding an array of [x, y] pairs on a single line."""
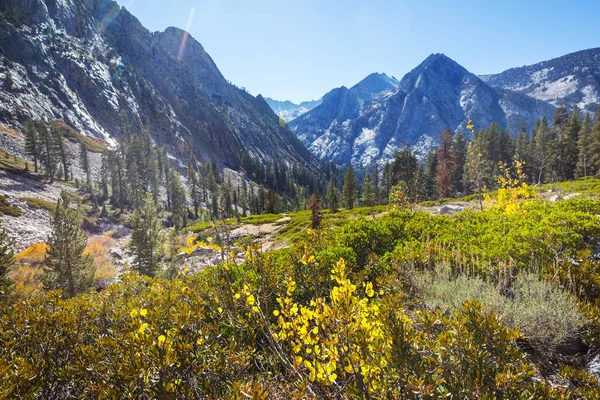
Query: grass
{"points": [[7, 209], [34, 202], [12, 163], [93, 144]]}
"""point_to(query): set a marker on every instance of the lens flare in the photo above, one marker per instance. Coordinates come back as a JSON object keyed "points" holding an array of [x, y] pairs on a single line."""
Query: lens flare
{"points": [[185, 35]]}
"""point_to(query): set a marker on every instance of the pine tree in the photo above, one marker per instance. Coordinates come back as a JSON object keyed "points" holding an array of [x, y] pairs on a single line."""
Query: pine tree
{"points": [[315, 211], [595, 142], [47, 152], [32, 145], [69, 268], [429, 175], [571, 136], [85, 165], [349, 189], [459, 151], [61, 151], [196, 191], [178, 201], [146, 241], [541, 142], [376, 188], [104, 174], [522, 146], [332, 197], [368, 194], [6, 261], [446, 164], [584, 145]]}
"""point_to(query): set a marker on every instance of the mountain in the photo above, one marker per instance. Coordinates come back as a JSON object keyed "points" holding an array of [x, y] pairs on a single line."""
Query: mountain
{"points": [[437, 95], [288, 110], [573, 79], [93, 64]]}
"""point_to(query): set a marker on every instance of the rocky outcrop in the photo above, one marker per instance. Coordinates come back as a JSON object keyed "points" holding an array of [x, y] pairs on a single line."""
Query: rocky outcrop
{"points": [[573, 79]]}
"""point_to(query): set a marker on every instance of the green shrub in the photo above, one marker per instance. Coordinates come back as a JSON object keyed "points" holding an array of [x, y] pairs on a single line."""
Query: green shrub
{"points": [[7, 209], [35, 202], [545, 315]]}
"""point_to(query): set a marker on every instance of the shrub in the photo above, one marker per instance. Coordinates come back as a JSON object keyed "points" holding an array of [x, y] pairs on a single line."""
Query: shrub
{"points": [[545, 315], [34, 202], [7, 209]]}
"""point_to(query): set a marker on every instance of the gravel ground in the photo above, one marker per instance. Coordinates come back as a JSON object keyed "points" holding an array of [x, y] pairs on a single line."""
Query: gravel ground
{"points": [[34, 224]]}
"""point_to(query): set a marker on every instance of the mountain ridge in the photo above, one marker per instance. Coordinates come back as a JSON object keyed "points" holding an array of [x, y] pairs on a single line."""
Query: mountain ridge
{"points": [[436, 95], [94, 64]]}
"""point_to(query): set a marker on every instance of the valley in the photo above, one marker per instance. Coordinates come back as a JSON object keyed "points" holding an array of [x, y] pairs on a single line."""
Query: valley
{"points": [[165, 233]]}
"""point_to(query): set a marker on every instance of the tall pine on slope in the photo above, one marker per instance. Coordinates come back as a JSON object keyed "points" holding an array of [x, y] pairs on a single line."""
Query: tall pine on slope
{"points": [[85, 165], [69, 268], [146, 241], [60, 149], [584, 146], [178, 201], [349, 189], [32, 145]]}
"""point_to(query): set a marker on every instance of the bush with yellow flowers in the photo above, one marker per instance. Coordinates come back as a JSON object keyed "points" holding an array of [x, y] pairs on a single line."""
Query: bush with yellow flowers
{"points": [[334, 316]]}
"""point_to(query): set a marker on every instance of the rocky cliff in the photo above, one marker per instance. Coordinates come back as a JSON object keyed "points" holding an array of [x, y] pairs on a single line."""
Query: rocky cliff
{"points": [[91, 63]]}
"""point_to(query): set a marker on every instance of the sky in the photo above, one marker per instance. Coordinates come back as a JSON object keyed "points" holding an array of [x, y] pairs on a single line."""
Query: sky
{"points": [[299, 50]]}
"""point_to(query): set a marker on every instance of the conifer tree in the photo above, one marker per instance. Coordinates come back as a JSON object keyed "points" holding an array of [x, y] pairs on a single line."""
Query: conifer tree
{"points": [[61, 151], [178, 201], [571, 135], [47, 151], [349, 189], [332, 197], [315, 211], [6, 261], [541, 149], [376, 188], [196, 192], [446, 164], [584, 145], [522, 146], [85, 165], [69, 268], [595, 142], [146, 241], [32, 145], [104, 174], [459, 151], [429, 175], [368, 194]]}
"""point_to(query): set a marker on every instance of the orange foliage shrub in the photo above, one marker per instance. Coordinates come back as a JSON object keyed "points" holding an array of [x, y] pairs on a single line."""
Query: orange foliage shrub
{"points": [[97, 248], [34, 254], [27, 281]]}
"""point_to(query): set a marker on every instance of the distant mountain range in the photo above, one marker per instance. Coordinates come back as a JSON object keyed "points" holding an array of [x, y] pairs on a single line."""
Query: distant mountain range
{"points": [[288, 110], [370, 121]]}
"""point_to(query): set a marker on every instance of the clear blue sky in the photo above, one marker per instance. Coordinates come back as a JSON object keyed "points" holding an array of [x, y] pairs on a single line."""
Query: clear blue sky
{"points": [[299, 50]]}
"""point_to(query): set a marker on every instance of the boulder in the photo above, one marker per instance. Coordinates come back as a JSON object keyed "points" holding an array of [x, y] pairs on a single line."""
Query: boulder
{"points": [[449, 209]]}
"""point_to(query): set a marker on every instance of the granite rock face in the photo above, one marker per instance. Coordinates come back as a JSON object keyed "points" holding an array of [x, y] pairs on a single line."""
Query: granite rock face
{"points": [[570, 80], [90, 62]]}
